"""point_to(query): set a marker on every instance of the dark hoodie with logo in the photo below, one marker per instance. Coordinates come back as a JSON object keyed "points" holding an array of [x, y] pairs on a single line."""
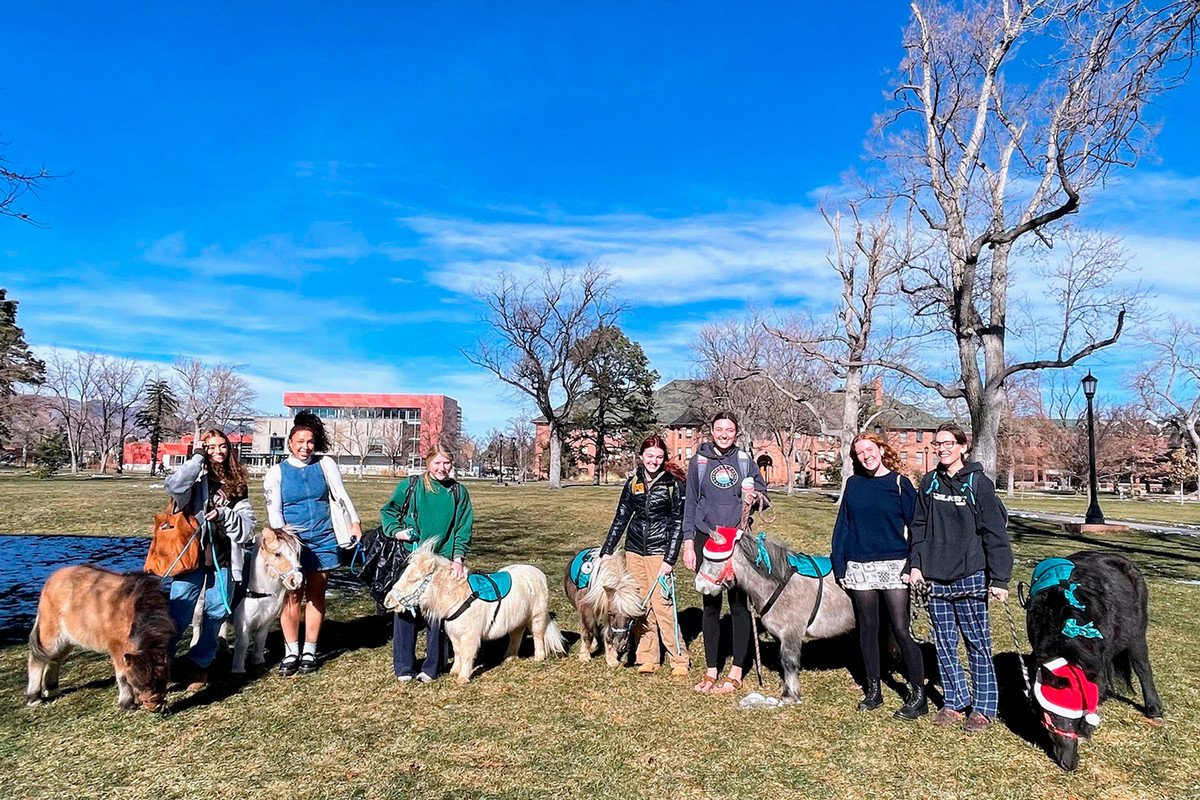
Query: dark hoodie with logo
{"points": [[960, 527], [714, 489]]}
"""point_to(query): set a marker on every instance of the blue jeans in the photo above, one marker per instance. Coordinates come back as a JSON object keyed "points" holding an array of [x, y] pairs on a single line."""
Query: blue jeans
{"points": [[404, 646], [185, 591]]}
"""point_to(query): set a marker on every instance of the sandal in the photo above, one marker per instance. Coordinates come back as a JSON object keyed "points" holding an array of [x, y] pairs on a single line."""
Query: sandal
{"points": [[705, 686], [727, 686]]}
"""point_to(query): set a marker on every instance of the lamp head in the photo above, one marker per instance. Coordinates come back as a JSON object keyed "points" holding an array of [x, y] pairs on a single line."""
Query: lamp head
{"points": [[1089, 385]]}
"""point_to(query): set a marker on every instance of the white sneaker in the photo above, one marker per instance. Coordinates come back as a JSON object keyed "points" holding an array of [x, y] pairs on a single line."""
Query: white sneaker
{"points": [[404, 678], [424, 678]]}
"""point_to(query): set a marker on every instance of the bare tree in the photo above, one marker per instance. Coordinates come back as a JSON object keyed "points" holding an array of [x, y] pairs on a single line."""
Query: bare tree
{"points": [[729, 357], [523, 434], [117, 390], [72, 380], [1169, 381], [397, 438], [356, 435], [994, 151], [211, 395], [16, 182], [533, 341], [31, 420], [869, 249]]}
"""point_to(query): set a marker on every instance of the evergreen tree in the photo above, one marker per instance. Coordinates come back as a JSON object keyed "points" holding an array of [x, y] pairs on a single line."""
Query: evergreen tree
{"points": [[618, 405], [157, 415], [17, 363], [52, 452]]}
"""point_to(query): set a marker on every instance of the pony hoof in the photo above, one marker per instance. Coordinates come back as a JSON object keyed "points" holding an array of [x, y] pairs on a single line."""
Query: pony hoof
{"points": [[463, 680], [585, 657], [33, 701], [1155, 721], [789, 701]]}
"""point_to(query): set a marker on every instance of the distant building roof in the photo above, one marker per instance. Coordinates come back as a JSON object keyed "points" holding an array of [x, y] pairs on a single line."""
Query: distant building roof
{"points": [[354, 400]]}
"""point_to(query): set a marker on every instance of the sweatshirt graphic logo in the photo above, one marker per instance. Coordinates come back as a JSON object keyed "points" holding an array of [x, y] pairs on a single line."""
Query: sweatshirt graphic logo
{"points": [[724, 477]]}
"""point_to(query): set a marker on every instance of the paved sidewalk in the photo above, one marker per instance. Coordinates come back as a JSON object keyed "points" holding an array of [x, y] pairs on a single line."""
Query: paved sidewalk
{"points": [[1151, 527]]}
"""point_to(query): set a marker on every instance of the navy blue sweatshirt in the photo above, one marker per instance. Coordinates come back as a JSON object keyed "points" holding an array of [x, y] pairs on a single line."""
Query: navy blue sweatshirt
{"points": [[870, 523], [714, 489]]}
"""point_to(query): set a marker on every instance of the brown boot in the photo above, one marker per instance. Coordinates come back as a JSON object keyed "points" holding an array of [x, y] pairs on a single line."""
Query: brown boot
{"points": [[976, 723], [947, 716]]}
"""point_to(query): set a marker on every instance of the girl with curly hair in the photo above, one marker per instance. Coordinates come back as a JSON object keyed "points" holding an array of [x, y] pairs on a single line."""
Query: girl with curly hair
{"points": [[870, 561]]}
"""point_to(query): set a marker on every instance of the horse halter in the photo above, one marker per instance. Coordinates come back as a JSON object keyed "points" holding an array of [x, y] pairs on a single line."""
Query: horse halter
{"points": [[283, 576], [411, 599]]}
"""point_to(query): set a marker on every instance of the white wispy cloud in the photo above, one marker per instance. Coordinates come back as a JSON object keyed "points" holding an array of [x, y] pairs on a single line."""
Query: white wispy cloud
{"points": [[778, 254]]}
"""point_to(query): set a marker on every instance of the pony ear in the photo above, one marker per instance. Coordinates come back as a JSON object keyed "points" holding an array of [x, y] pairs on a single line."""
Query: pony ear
{"points": [[269, 536], [1052, 680], [129, 657], [610, 590]]}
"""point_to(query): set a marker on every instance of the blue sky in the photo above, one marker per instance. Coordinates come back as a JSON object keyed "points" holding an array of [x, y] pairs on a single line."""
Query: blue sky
{"points": [[315, 194]]}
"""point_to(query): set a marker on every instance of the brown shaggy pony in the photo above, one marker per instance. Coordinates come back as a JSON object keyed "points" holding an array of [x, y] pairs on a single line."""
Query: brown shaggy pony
{"points": [[108, 612], [608, 608]]}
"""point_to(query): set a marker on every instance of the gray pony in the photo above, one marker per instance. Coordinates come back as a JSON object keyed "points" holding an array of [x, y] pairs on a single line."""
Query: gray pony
{"points": [[790, 604]]}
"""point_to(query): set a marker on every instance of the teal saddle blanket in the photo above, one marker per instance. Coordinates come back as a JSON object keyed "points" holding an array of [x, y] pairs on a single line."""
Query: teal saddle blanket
{"points": [[582, 566], [810, 566], [492, 588], [1051, 572]]}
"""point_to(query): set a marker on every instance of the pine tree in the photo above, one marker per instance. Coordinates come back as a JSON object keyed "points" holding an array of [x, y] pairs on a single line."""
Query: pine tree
{"points": [[157, 415], [17, 363]]}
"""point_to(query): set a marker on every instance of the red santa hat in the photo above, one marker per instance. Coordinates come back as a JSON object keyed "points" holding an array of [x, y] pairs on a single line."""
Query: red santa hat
{"points": [[1078, 698], [720, 544]]}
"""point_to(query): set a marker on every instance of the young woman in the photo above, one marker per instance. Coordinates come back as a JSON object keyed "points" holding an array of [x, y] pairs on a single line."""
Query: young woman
{"points": [[870, 560], [299, 492], [438, 511], [715, 498], [650, 514], [211, 486], [960, 546]]}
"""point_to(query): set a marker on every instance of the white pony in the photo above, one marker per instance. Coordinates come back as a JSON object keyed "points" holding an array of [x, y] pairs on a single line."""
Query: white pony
{"points": [[468, 618], [274, 570]]}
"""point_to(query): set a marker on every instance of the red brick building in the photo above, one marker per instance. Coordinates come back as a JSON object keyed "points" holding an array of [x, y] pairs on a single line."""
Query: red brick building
{"points": [[683, 426], [172, 454]]}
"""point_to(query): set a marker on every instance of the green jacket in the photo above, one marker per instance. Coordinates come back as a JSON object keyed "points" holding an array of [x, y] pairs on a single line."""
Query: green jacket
{"points": [[434, 515]]}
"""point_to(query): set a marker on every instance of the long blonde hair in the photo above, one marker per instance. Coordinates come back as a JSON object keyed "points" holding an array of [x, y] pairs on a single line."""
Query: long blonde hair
{"points": [[435, 451], [888, 456]]}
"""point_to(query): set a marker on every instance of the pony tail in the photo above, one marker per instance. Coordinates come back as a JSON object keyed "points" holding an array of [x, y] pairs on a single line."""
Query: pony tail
{"points": [[677, 470]]}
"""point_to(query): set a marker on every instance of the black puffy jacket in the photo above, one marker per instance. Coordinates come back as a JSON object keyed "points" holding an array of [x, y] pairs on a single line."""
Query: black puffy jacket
{"points": [[653, 514]]}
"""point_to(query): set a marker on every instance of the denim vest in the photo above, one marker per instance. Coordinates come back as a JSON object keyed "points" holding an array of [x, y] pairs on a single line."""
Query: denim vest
{"points": [[305, 498]]}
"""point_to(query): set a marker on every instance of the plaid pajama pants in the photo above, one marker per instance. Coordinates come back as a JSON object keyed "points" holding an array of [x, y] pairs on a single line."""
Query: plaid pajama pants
{"points": [[953, 614]]}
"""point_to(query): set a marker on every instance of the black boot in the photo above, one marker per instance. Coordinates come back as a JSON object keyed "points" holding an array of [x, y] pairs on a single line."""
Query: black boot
{"points": [[872, 697], [917, 704]]}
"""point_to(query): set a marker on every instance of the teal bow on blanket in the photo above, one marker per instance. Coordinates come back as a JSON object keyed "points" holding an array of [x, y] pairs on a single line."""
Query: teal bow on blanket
{"points": [[1073, 630]]}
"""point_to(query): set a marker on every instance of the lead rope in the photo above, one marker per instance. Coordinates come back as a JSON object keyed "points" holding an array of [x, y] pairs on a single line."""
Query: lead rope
{"points": [[744, 526]]}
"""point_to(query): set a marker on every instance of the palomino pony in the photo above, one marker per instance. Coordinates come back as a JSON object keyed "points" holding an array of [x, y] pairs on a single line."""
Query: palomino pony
{"points": [[123, 615], [606, 597], [790, 603], [482, 608], [274, 570]]}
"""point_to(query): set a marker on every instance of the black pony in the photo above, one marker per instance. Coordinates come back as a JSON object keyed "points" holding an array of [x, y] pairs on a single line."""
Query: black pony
{"points": [[1086, 618]]}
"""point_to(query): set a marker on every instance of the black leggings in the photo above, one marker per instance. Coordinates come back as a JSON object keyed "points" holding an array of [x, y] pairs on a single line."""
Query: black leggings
{"points": [[710, 624], [866, 609]]}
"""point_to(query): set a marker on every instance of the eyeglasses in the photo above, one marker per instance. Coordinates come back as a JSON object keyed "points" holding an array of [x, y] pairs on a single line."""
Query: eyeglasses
{"points": [[944, 445]]}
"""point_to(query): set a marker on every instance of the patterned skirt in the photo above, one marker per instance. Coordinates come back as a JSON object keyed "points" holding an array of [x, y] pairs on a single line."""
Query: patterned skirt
{"points": [[867, 575]]}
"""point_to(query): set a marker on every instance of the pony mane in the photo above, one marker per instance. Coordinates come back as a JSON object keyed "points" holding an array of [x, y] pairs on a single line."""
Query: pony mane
{"points": [[777, 553], [288, 535], [152, 624], [625, 597]]}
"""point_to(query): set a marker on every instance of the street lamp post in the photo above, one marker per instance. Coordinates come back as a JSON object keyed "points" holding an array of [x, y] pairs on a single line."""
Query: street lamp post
{"points": [[500, 471], [1093, 516]]}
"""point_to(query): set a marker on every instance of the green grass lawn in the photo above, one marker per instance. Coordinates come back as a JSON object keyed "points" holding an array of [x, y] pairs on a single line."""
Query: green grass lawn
{"points": [[564, 729]]}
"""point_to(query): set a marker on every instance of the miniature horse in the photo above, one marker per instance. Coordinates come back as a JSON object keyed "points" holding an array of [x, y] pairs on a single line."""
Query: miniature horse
{"points": [[794, 595], [123, 615], [606, 597], [274, 570], [1086, 618]]}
